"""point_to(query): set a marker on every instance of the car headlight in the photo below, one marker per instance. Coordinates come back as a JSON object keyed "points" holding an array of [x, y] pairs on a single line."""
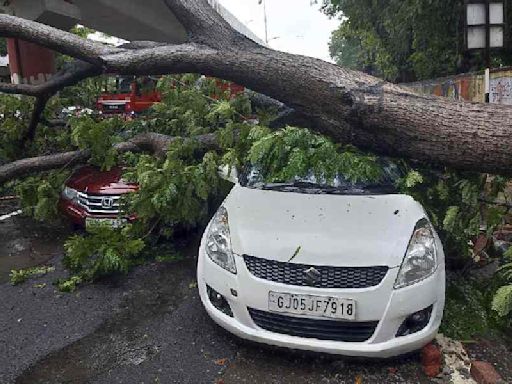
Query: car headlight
{"points": [[70, 194], [218, 241], [420, 260]]}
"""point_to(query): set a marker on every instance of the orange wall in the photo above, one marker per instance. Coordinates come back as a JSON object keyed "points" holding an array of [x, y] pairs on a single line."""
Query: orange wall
{"points": [[29, 62]]}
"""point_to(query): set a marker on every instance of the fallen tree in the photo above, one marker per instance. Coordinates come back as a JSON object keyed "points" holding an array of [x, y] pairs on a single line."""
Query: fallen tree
{"points": [[348, 106]]}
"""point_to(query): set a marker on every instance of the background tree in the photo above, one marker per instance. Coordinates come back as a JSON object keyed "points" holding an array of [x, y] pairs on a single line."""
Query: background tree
{"points": [[403, 40]]}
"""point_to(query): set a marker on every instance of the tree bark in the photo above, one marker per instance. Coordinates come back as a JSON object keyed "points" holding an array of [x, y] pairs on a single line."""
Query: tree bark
{"points": [[348, 106]]}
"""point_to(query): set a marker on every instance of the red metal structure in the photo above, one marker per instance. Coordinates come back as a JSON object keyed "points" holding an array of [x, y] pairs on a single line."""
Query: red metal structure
{"points": [[29, 63], [135, 95], [131, 96]]}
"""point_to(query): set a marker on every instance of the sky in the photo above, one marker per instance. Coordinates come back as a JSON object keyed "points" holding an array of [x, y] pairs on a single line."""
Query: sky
{"points": [[294, 26]]}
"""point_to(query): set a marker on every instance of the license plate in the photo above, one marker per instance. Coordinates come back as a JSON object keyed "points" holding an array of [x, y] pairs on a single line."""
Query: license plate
{"points": [[114, 223], [317, 306]]}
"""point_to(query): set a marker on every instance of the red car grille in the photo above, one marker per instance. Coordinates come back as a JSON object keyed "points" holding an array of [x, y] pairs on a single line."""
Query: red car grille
{"points": [[101, 204]]}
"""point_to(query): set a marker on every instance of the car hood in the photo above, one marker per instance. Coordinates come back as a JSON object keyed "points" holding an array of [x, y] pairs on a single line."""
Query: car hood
{"points": [[338, 230], [93, 180]]}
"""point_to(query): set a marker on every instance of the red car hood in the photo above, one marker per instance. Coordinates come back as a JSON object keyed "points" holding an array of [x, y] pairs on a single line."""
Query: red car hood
{"points": [[92, 180]]}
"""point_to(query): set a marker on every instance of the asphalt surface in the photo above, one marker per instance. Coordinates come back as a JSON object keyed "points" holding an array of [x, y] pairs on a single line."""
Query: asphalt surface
{"points": [[146, 327]]}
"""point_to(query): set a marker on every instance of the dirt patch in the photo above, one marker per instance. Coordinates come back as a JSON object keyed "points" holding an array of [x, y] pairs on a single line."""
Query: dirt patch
{"points": [[494, 351]]}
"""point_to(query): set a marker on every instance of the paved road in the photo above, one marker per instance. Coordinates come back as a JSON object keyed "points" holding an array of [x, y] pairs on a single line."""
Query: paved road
{"points": [[148, 327]]}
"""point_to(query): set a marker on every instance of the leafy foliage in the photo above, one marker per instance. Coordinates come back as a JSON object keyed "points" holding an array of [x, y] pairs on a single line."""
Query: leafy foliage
{"points": [[454, 202], [192, 106], [39, 195], [84, 94], [466, 312], [290, 152], [21, 275], [502, 302], [174, 191], [82, 31], [14, 118], [98, 136], [106, 251]]}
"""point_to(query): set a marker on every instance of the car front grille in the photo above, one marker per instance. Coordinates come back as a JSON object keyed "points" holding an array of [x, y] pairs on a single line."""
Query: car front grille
{"points": [[328, 277], [336, 330], [99, 204]]}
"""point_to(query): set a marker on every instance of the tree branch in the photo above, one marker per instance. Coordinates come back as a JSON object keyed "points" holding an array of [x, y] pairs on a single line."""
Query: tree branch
{"points": [[53, 38], [71, 74], [151, 142], [38, 110]]}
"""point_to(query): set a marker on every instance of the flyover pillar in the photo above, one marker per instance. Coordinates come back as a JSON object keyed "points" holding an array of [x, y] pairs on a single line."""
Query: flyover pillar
{"points": [[29, 63]]}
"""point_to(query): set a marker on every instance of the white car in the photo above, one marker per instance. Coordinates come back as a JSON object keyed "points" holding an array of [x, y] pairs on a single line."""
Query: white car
{"points": [[352, 270]]}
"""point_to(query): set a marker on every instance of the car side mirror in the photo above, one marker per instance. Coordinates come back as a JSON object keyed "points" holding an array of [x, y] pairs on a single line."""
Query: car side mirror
{"points": [[229, 173]]}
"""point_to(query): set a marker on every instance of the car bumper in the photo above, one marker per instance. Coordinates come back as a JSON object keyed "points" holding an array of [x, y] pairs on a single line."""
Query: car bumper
{"points": [[382, 303]]}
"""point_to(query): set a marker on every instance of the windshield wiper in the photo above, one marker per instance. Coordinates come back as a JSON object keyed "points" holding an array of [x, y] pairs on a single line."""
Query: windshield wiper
{"points": [[379, 188], [297, 186]]}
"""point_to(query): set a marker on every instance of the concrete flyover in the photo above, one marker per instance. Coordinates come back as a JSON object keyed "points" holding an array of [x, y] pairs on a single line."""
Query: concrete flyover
{"points": [[127, 19]]}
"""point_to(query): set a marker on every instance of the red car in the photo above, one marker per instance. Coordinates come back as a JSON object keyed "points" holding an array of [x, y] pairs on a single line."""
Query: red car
{"points": [[92, 196]]}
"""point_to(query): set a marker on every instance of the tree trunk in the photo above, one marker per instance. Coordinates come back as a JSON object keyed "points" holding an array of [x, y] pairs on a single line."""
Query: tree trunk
{"points": [[348, 106]]}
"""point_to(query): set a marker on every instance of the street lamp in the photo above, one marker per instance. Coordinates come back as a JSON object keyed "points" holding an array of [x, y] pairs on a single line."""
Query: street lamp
{"points": [[485, 29], [485, 25], [264, 19]]}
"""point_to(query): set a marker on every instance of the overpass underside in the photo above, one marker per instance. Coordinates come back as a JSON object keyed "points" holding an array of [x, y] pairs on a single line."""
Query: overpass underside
{"points": [[127, 19]]}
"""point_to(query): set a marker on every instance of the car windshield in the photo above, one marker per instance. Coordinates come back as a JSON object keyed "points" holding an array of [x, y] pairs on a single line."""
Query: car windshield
{"points": [[391, 174], [125, 85]]}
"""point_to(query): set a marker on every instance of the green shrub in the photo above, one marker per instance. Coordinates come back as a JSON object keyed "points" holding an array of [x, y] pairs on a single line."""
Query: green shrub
{"points": [[105, 251]]}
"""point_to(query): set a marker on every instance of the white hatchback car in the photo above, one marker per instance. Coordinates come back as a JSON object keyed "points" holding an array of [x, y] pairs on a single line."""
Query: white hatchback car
{"points": [[353, 270]]}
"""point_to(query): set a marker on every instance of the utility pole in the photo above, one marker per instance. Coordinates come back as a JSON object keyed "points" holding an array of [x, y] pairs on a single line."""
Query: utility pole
{"points": [[265, 19]]}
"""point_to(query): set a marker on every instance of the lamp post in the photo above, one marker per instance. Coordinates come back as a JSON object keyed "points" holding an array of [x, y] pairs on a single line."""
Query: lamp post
{"points": [[265, 19], [485, 30]]}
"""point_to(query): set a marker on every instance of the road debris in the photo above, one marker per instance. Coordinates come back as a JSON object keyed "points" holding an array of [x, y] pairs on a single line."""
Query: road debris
{"points": [[221, 362], [431, 360], [485, 373], [456, 361]]}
